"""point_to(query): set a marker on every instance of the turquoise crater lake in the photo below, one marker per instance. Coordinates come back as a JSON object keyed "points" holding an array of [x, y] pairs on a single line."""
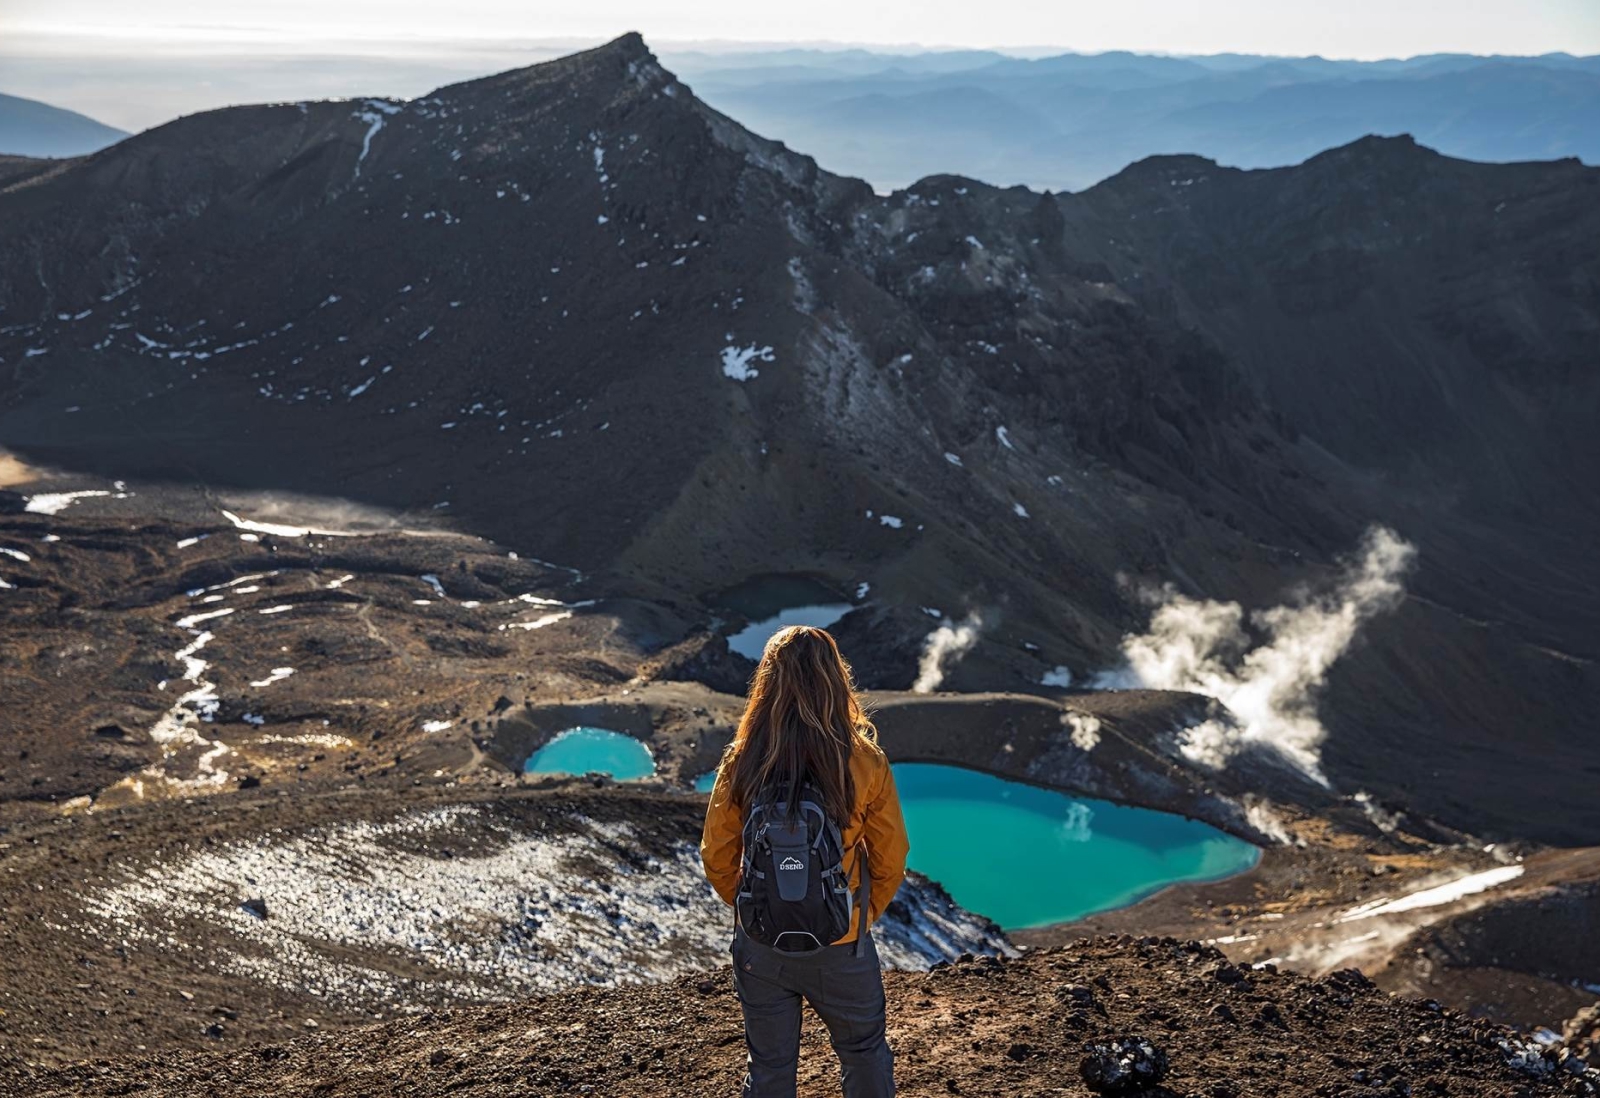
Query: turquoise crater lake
{"points": [[1026, 856], [585, 750]]}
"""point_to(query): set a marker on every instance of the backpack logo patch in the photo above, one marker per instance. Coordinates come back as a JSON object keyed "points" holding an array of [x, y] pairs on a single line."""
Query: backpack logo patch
{"points": [[791, 863]]}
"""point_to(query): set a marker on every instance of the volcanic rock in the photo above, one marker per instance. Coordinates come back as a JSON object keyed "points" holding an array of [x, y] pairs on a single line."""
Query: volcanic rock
{"points": [[1126, 1065], [577, 310]]}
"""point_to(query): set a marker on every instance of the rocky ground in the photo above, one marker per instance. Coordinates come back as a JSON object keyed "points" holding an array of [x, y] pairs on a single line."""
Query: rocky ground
{"points": [[247, 913], [976, 1027], [1511, 952], [317, 812], [152, 644], [260, 752]]}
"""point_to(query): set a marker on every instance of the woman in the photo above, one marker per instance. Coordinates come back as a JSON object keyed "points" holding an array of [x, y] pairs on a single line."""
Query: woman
{"points": [[804, 737]]}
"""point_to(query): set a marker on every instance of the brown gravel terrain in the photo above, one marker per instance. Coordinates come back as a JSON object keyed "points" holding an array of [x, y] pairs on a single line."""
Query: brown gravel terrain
{"points": [[406, 700], [262, 828], [979, 1027]]}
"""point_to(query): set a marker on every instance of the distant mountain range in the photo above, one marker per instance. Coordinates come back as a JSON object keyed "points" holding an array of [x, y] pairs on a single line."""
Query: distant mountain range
{"points": [[31, 128], [1059, 122], [1065, 122]]}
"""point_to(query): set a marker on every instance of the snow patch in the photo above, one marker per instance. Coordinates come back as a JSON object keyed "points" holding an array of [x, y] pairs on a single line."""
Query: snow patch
{"points": [[504, 917], [309, 739], [736, 361], [1469, 885], [53, 503], [540, 622], [195, 619], [282, 530]]}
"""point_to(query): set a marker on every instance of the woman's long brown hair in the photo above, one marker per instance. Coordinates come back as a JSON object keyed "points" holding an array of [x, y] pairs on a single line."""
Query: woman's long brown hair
{"points": [[802, 722]]}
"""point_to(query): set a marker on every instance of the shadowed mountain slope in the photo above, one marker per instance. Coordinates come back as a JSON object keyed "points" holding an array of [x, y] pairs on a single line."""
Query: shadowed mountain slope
{"points": [[579, 311]]}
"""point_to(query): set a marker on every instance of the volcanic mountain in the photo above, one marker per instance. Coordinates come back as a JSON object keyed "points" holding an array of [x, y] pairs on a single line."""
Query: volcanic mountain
{"points": [[574, 309], [29, 128]]}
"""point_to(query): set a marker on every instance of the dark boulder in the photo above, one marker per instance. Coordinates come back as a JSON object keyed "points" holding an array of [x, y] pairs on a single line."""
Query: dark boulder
{"points": [[1126, 1065]]}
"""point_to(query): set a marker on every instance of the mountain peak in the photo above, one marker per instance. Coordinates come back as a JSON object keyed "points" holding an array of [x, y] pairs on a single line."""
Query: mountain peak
{"points": [[1162, 170], [1400, 144], [623, 59], [630, 45], [625, 49], [1398, 151]]}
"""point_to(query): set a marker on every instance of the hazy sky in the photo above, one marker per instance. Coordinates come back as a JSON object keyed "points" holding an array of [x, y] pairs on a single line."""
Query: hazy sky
{"points": [[136, 63], [1348, 28]]}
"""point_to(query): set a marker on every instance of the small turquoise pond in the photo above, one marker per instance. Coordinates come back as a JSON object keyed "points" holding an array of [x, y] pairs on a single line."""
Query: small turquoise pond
{"points": [[705, 782], [593, 750], [1026, 856], [774, 602]]}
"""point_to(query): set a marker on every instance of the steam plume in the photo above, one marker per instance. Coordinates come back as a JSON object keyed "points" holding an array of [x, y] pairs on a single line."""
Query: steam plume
{"points": [[1261, 817], [944, 647], [1200, 646], [1085, 729]]}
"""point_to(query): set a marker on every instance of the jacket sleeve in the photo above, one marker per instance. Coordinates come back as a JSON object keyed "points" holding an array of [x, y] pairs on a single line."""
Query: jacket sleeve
{"points": [[887, 843], [722, 841]]}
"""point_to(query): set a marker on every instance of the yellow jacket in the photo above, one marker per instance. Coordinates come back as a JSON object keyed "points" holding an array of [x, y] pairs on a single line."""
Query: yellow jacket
{"points": [[875, 821]]}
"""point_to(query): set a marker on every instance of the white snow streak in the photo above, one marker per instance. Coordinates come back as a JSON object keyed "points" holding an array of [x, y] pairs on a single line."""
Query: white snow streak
{"points": [[53, 503], [374, 114], [1449, 893]]}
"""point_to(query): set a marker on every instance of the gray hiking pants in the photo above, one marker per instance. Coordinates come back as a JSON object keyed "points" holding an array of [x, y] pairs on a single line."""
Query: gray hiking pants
{"points": [[845, 990]]}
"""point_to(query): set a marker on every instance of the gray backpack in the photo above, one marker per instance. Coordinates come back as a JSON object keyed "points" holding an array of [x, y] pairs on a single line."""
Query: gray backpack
{"points": [[794, 893]]}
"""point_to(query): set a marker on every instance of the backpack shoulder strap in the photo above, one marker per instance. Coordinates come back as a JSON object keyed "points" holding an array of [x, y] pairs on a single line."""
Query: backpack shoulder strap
{"points": [[863, 895]]}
